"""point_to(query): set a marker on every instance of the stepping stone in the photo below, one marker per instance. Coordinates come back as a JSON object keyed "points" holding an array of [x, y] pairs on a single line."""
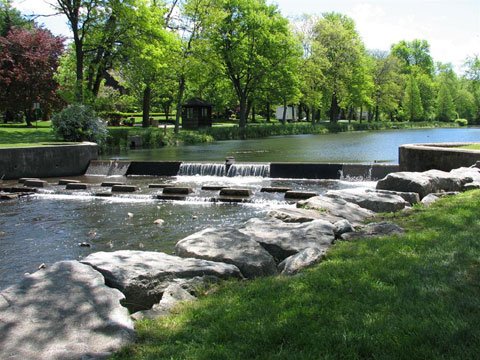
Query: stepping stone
{"points": [[235, 192], [213, 187], [177, 191], [103, 194], [8, 196], [19, 189], [232, 199], [111, 183], [35, 183], [275, 189], [76, 186], [175, 197], [68, 181], [124, 188], [159, 186], [22, 180], [299, 195]]}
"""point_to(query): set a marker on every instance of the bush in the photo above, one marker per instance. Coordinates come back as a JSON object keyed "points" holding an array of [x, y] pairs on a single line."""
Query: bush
{"points": [[79, 123], [461, 122]]}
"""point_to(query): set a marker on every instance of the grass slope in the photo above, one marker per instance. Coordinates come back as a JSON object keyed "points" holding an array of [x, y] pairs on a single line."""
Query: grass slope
{"points": [[471, 147], [19, 135], [415, 296]]}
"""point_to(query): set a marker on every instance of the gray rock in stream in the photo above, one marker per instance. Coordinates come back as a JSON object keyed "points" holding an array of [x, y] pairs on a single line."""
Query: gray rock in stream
{"points": [[282, 239], [374, 230], [335, 209], [374, 201], [143, 276], [62, 312], [294, 215], [408, 182], [229, 246]]}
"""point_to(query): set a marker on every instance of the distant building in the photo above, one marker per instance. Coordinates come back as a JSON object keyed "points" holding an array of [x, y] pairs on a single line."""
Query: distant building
{"points": [[196, 113], [291, 115]]}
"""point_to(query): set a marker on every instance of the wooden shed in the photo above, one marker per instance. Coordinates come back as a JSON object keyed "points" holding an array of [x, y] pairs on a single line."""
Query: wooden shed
{"points": [[196, 113]]}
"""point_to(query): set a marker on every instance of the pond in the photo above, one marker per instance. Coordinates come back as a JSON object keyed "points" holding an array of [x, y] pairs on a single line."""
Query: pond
{"points": [[349, 147]]}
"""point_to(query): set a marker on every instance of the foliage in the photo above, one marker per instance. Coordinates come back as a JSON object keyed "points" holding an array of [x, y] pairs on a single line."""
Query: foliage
{"points": [[461, 122], [412, 102], [413, 296], [10, 17], [79, 123], [28, 59], [445, 105], [415, 56]]}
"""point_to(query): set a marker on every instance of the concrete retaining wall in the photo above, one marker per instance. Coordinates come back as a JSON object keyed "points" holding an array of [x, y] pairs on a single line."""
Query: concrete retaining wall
{"points": [[440, 156], [46, 161]]}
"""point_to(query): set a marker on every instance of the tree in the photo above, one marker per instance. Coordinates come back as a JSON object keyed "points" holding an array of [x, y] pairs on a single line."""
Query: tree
{"points": [[28, 61], [472, 76], [412, 103], [10, 17], [252, 40], [445, 105], [414, 54], [341, 45]]}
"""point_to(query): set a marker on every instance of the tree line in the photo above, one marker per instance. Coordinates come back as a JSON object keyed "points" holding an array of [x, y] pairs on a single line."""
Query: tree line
{"points": [[127, 55]]}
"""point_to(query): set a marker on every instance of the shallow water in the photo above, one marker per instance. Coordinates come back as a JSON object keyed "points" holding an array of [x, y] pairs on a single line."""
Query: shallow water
{"points": [[50, 225]]}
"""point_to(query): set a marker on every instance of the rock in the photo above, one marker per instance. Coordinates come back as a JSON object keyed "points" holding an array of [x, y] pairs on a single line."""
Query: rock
{"points": [[172, 197], [377, 202], [159, 186], [76, 186], [471, 186], [177, 190], [229, 246], [305, 258], [124, 188], [85, 244], [410, 197], [446, 181], [4, 196], [476, 165], [232, 199], [282, 239], [67, 181], [130, 215], [334, 210], [159, 222], [143, 275], [65, 312], [35, 183], [373, 230], [408, 182], [235, 192], [467, 175], [213, 187], [294, 215], [341, 227], [275, 189], [299, 195], [431, 198], [111, 183]]}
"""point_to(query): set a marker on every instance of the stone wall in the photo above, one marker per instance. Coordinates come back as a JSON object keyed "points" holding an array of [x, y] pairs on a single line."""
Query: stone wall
{"points": [[440, 156], [46, 161]]}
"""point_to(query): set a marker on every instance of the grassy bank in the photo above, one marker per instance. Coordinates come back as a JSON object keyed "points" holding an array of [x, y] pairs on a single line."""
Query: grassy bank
{"points": [[415, 296], [470, 147], [20, 136]]}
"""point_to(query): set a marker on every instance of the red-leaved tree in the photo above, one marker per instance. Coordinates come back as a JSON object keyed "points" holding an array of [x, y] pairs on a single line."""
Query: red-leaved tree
{"points": [[28, 62]]}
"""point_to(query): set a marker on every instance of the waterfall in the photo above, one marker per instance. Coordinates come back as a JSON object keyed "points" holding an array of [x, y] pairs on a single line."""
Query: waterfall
{"points": [[203, 169], [262, 170], [108, 168]]}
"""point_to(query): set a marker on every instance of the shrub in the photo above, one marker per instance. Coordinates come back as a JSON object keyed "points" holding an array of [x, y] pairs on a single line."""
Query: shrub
{"points": [[461, 122], [79, 123]]}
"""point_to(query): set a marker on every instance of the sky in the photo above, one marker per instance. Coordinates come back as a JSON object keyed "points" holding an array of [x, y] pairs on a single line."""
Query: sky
{"points": [[452, 27]]}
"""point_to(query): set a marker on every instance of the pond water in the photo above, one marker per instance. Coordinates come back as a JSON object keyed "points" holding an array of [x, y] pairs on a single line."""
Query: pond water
{"points": [[349, 147], [51, 225]]}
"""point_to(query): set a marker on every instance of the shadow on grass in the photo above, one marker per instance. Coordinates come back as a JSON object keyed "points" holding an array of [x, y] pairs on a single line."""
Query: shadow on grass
{"points": [[410, 297]]}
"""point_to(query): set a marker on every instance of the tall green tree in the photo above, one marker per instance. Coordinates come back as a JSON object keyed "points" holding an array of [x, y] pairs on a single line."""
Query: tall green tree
{"points": [[445, 105], [342, 47], [412, 102], [252, 40], [11, 17], [414, 54]]}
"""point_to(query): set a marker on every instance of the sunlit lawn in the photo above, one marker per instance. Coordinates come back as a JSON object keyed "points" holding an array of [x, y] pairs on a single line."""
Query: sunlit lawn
{"points": [[16, 135], [415, 296], [471, 147]]}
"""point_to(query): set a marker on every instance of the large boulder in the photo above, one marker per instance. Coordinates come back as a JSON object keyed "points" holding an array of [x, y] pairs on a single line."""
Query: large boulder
{"points": [[410, 197], [467, 175], [446, 181], [374, 201], [229, 246], [408, 182], [335, 209], [373, 230], [143, 276], [282, 239], [62, 312], [305, 258], [294, 215]]}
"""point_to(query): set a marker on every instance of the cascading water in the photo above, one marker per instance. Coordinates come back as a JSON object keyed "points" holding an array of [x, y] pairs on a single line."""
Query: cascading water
{"points": [[202, 169], [108, 168], [262, 170]]}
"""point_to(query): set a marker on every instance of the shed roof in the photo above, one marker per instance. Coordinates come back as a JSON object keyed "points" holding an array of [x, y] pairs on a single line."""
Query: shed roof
{"points": [[196, 102]]}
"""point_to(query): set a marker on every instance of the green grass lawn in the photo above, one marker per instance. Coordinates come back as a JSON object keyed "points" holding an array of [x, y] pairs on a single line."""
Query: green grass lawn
{"points": [[15, 135], [415, 296], [470, 147]]}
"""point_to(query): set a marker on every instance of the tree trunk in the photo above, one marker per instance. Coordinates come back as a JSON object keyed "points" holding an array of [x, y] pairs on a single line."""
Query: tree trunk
{"points": [[79, 70], [166, 108], [181, 91], [284, 115], [334, 109], [361, 113], [253, 113], [376, 113], [243, 115], [313, 115], [268, 111], [147, 93]]}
